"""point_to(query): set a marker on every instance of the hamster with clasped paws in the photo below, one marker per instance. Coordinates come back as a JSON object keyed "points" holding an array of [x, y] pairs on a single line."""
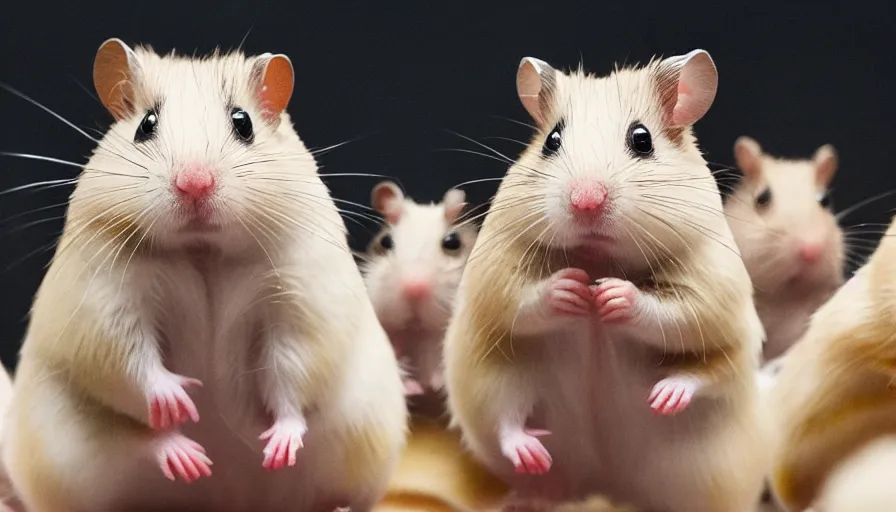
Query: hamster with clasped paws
{"points": [[605, 334]]}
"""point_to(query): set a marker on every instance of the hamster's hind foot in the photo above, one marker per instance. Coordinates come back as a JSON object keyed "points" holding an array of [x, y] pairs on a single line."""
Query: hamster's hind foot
{"points": [[284, 440], [673, 394], [412, 387], [181, 457], [525, 451], [169, 403]]}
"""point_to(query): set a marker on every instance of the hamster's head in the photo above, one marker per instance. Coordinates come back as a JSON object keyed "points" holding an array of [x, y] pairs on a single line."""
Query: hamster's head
{"points": [[781, 218], [613, 170], [415, 263], [201, 150]]}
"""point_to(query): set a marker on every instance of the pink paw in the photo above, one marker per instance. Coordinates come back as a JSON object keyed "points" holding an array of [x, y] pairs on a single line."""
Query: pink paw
{"points": [[437, 381], [615, 300], [412, 387], [568, 294], [181, 457], [284, 440], [169, 403], [673, 394], [525, 452]]}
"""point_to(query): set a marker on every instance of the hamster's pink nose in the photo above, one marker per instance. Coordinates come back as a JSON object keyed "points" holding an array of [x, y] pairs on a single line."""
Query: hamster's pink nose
{"points": [[810, 251], [195, 181], [416, 288], [587, 196]]}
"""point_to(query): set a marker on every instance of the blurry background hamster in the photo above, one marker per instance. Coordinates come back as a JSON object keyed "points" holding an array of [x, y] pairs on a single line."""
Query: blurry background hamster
{"points": [[401, 81]]}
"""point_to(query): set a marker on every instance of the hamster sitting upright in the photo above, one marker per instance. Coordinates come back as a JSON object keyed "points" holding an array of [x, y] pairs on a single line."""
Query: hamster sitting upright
{"points": [[789, 239], [605, 303], [201, 246], [412, 271]]}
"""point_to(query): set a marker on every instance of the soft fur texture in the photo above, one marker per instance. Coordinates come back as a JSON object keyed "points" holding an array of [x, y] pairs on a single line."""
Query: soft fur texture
{"points": [[264, 305], [769, 236], [834, 393], [511, 362]]}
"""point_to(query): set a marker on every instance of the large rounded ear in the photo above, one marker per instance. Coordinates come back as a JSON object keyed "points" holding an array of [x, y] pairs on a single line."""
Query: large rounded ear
{"points": [[388, 199], [535, 83], [748, 155], [454, 203], [115, 70], [826, 162], [687, 85], [275, 80]]}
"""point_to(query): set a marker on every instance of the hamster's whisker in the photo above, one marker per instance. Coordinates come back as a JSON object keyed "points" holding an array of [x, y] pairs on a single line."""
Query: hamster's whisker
{"points": [[508, 139], [40, 184], [34, 102], [296, 223], [865, 202], [527, 125], [22, 227], [35, 252], [260, 245], [321, 151]]}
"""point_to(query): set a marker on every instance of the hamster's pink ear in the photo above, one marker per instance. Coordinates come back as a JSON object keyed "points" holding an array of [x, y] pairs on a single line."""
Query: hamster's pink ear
{"points": [[748, 155], [388, 199], [454, 204], [826, 162], [687, 85], [535, 82], [115, 69], [276, 80]]}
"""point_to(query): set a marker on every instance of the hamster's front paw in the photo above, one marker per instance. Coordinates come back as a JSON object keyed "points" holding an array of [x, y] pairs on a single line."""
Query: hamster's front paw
{"points": [[567, 293], [181, 457], [526, 452], [169, 403], [673, 394], [614, 300], [412, 387], [284, 440]]}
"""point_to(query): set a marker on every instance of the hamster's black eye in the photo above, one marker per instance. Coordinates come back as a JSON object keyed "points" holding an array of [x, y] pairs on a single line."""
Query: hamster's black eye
{"points": [[386, 242], [639, 141], [147, 127], [242, 124], [553, 142], [764, 198], [451, 242], [824, 199]]}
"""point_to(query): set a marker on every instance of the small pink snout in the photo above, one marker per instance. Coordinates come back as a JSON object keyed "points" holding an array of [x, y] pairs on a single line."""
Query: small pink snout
{"points": [[587, 196], [810, 252], [416, 288], [195, 182]]}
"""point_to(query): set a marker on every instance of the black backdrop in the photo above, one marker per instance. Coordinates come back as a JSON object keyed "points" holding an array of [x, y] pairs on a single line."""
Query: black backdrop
{"points": [[401, 76]]}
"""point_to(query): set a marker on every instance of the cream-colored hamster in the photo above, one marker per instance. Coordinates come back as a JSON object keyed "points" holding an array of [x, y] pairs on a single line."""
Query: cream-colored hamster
{"points": [[789, 238], [412, 270], [605, 333], [833, 402], [203, 306]]}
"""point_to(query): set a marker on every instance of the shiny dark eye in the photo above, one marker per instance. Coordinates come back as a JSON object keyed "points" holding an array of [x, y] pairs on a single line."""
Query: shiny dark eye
{"points": [[553, 142], [824, 199], [639, 141], [451, 242], [386, 242], [242, 124], [147, 127], [764, 198]]}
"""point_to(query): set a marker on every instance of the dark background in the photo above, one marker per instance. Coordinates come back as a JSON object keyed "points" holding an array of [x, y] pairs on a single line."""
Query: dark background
{"points": [[793, 76]]}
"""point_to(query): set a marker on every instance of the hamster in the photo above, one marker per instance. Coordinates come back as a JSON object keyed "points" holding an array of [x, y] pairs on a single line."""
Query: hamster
{"points": [[8, 500], [605, 335], [203, 307], [834, 393], [791, 243], [412, 272]]}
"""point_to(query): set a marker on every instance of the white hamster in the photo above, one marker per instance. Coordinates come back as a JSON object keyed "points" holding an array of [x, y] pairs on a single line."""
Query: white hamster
{"points": [[412, 270], [605, 302], [790, 240], [202, 247]]}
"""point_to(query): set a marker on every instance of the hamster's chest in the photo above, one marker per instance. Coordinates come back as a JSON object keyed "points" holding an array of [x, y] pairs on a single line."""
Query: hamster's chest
{"points": [[210, 317]]}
